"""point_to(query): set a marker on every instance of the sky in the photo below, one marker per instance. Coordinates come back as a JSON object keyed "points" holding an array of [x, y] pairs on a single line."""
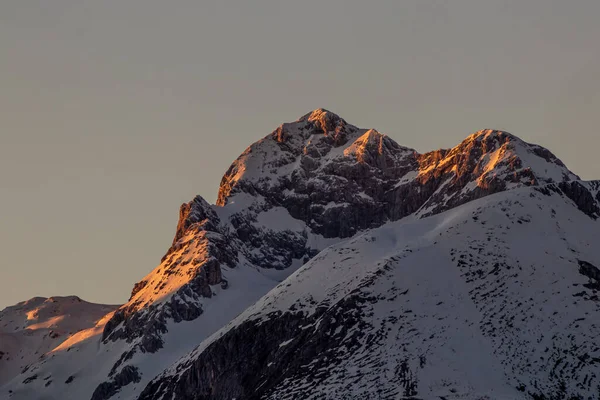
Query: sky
{"points": [[115, 112]]}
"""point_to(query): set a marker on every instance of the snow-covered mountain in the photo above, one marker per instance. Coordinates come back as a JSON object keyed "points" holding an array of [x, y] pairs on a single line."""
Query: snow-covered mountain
{"points": [[32, 328], [496, 298], [497, 231]]}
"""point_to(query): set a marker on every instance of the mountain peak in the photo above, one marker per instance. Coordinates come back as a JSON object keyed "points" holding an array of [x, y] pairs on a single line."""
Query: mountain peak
{"points": [[487, 162], [325, 120], [318, 113], [323, 146], [485, 133], [505, 148], [491, 139]]}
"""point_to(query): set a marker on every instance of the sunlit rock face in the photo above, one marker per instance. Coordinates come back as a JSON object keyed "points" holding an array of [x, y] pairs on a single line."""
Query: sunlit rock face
{"points": [[309, 184], [486, 162]]}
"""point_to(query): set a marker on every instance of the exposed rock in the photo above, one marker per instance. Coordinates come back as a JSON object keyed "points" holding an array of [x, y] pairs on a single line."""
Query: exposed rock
{"points": [[582, 196], [592, 272], [196, 211], [106, 390], [264, 363], [30, 379]]}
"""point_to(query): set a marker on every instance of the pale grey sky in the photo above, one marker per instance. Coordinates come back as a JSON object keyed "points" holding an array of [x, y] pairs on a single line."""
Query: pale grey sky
{"points": [[115, 112]]}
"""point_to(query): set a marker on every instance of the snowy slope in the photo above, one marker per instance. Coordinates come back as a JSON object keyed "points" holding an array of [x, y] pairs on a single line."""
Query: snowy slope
{"points": [[309, 184], [488, 299], [32, 328]]}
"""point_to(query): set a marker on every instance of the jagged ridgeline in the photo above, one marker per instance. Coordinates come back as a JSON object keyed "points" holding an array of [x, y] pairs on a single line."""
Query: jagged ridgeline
{"points": [[339, 264]]}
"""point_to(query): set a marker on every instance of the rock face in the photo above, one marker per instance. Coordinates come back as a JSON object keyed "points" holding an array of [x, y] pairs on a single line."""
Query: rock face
{"points": [[309, 184], [585, 194], [107, 390], [198, 250]]}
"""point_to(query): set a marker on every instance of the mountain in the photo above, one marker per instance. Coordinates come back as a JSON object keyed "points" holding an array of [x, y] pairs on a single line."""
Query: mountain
{"points": [[32, 328], [339, 239]]}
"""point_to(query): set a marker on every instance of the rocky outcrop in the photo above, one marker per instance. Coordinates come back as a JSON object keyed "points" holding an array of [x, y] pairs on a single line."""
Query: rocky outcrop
{"points": [[485, 163], [106, 390], [583, 196], [195, 212], [592, 272]]}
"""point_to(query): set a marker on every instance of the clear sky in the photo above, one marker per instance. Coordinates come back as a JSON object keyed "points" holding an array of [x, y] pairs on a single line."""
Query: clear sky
{"points": [[115, 112]]}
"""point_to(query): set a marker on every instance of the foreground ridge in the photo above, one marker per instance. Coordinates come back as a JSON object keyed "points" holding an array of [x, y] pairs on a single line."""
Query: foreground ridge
{"points": [[494, 299]]}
